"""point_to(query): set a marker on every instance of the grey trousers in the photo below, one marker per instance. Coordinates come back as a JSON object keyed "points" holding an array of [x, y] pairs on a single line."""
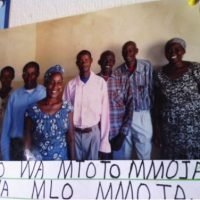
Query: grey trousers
{"points": [[87, 144]]}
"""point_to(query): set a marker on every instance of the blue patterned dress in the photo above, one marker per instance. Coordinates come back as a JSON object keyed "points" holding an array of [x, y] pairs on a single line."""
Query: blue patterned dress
{"points": [[49, 132]]}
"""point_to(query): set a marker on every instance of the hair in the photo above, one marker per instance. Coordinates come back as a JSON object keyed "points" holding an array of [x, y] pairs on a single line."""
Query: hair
{"points": [[83, 52], [32, 64], [56, 69], [126, 44], [10, 69], [104, 55], [179, 41]]}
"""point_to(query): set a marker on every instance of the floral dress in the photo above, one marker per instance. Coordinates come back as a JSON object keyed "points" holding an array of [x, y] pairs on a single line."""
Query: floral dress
{"points": [[179, 114], [49, 132]]}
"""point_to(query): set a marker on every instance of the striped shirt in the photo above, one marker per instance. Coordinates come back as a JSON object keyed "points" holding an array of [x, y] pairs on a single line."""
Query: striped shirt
{"points": [[129, 92]]}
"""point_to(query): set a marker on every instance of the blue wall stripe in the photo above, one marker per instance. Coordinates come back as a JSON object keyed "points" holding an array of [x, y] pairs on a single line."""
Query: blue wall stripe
{"points": [[7, 14]]}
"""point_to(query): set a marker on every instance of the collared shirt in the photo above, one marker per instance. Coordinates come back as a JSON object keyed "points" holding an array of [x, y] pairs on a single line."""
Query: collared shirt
{"points": [[91, 105], [142, 84], [13, 123], [129, 92], [103, 76], [121, 104]]}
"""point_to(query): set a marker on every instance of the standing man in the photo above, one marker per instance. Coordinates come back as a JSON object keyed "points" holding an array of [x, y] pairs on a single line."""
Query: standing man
{"points": [[133, 80], [19, 100], [106, 62], [88, 94]]}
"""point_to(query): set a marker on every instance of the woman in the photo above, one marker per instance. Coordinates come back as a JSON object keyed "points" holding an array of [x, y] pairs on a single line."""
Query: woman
{"points": [[48, 124], [178, 104]]}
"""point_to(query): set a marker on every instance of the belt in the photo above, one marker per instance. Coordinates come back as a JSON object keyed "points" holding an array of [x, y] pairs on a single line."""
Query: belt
{"points": [[83, 130]]}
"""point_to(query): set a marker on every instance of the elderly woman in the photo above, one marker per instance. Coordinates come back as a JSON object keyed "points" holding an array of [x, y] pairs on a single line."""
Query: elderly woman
{"points": [[178, 104], [48, 123]]}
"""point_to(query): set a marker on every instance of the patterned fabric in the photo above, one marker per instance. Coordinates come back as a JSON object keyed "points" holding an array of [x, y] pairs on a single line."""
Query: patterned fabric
{"points": [[141, 83], [176, 40], [49, 132], [129, 92], [121, 104], [180, 113], [52, 70]]}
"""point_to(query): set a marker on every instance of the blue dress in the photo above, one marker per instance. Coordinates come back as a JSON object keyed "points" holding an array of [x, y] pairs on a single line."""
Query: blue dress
{"points": [[49, 132]]}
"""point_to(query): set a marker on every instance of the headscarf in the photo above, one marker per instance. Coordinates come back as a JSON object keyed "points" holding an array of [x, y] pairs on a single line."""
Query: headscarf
{"points": [[52, 70], [176, 40]]}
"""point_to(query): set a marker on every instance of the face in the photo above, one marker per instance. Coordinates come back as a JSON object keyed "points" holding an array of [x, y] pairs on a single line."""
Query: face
{"points": [[129, 53], [55, 86], [30, 76], [84, 63], [6, 78], [108, 63], [174, 53]]}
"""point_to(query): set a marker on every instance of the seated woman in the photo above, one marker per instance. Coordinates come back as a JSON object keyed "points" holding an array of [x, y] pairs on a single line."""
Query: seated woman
{"points": [[49, 123], [177, 104]]}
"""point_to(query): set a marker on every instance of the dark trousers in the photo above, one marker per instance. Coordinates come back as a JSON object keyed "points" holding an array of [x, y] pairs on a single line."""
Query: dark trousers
{"points": [[16, 149]]}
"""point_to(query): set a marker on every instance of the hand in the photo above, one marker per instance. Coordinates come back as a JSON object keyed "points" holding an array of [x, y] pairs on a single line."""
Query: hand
{"points": [[28, 155], [105, 156], [157, 138], [117, 141]]}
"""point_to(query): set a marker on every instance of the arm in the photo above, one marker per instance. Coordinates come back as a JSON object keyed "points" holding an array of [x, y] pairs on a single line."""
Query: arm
{"points": [[151, 85], [67, 94], [155, 114], [129, 107], [121, 105], [105, 120], [118, 140], [27, 133], [28, 127], [5, 137], [70, 137]]}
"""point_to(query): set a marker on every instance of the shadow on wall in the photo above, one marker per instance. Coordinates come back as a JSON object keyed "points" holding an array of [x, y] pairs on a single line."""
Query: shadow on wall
{"points": [[157, 54]]}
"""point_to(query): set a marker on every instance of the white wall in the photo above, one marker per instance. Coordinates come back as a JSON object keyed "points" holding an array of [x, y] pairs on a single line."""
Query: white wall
{"points": [[58, 41], [30, 11]]}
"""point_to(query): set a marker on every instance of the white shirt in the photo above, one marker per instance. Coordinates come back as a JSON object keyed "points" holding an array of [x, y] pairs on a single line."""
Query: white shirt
{"points": [[91, 105]]}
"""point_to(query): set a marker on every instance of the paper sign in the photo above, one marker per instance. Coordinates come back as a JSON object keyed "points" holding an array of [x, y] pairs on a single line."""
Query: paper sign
{"points": [[100, 180]]}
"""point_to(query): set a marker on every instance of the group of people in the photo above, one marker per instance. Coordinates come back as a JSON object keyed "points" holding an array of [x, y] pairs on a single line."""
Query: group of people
{"points": [[115, 114]]}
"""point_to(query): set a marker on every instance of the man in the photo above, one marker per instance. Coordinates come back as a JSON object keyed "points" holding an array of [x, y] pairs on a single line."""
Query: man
{"points": [[19, 100], [88, 94], [106, 62], [131, 81]]}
